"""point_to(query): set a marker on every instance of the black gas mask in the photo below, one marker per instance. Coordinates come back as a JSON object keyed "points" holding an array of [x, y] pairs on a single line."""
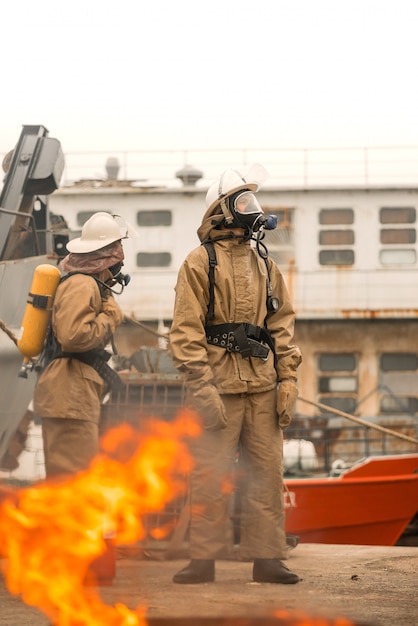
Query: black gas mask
{"points": [[248, 214], [118, 276]]}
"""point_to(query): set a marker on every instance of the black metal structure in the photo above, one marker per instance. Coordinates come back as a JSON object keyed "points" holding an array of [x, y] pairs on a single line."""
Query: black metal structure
{"points": [[33, 171]]}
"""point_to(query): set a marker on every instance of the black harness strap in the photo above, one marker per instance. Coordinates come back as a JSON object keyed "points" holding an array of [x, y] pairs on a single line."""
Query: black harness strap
{"points": [[245, 338], [98, 282], [97, 359], [210, 249], [242, 341]]}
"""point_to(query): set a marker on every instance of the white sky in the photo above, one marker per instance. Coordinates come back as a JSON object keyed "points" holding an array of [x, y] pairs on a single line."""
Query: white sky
{"points": [[177, 74]]}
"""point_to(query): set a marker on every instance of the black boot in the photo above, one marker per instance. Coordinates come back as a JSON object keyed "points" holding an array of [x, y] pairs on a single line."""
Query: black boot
{"points": [[273, 571], [197, 571]]}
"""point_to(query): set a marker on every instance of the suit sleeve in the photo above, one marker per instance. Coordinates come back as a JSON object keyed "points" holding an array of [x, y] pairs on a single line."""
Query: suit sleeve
{"points": [[79, 322], [187, 335], [281, 325]]}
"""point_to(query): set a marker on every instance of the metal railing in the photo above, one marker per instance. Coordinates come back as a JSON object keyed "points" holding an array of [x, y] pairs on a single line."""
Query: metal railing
{"points": [[339, 448], [294, 167], [346, 292]]}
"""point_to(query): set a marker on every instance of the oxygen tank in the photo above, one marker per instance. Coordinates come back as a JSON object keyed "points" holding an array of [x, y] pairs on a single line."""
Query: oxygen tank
{"points": [[35, 321]]}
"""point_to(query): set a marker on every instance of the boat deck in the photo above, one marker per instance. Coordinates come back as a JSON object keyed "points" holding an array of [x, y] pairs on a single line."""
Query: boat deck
{"points": [[369, 585]]}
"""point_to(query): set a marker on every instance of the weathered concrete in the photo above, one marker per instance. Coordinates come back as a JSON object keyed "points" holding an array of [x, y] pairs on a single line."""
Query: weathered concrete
{"points": [[369, 585]]}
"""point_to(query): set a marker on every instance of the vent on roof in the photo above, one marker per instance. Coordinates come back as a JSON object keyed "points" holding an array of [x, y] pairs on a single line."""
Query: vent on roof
{"points": [[112, 168], [189, 175]]}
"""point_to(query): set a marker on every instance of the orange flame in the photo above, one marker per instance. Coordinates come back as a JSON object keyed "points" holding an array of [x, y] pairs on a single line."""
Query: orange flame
{"points": [[300, 618], [53, 531]]}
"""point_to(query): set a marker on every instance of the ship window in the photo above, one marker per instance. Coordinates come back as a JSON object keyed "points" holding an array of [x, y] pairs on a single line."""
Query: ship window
{"points": [[83, 216], [398, 257], [338, 381], [154, 218], [335, 362], [398, 382], [346, 404], [405, 215], [336, 237], [399, 404], [336, 257], [337, 384], [336, 216], [153, 259], [397, 235], [398, 362]]}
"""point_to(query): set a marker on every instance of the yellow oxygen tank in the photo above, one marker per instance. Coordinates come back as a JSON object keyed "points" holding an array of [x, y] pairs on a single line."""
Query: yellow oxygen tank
{"points": [[34, 326]]}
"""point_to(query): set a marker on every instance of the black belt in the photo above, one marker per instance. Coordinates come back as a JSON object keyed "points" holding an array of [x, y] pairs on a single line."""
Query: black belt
{"points": [[97, 359], [247, 339]]}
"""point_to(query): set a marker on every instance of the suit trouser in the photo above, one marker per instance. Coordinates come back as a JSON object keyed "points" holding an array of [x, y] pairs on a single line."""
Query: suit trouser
{"points": [[253, 430], [69, 445]]}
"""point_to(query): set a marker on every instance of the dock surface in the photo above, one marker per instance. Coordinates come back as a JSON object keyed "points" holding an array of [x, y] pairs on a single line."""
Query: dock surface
{"points": [[369, 585]]}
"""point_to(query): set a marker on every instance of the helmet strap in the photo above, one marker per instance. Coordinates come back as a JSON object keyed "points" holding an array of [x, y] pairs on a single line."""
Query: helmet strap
{"points": [[227, 213]]}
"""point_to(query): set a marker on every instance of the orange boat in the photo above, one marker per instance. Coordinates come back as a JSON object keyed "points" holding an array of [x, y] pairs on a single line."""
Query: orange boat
{"points": [[371, 503]]}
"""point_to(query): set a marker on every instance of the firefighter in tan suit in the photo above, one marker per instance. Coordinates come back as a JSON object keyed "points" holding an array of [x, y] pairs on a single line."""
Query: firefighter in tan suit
{"points": [[231, 338], [85, 314]]}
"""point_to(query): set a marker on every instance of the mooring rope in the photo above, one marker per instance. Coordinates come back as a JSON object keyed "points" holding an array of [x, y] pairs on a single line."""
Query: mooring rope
{"points": [[387, 431], [145, 327], [8, 332]]}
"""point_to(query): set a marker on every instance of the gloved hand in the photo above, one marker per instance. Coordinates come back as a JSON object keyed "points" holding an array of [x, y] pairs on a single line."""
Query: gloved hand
{"points": [[113, 311], [287, 394], [207, 402]]}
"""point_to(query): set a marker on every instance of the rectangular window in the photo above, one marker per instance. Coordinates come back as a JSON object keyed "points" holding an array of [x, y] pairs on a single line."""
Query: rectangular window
{"points": [[398, 215], [336, 216], [397, 257], [397, 235], [336, 237], [398, 382], [335, 362], [399, 404], [338, 381], [336, 257], [153, 259], [154, 218], [399, 362], [345, 404], [83, 216]]}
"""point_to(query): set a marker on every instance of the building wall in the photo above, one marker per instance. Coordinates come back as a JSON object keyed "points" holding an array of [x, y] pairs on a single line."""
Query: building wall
{"points": [[363, 289], [368, 340]]}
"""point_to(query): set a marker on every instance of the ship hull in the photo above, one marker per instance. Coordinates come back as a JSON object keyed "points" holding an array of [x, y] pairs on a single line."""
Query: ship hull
{"points": [[372, 504]]}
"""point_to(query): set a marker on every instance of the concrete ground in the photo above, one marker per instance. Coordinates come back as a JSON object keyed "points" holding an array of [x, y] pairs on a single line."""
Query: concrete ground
{"points": [[369, 585]]}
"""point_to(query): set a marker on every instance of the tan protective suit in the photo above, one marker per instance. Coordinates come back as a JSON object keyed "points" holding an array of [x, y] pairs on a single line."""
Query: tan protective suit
{"points": [[237, 397], [68, 393]]}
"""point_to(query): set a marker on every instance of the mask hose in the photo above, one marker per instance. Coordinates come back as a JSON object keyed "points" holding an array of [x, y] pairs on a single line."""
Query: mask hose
{"points": [[272, 302]]}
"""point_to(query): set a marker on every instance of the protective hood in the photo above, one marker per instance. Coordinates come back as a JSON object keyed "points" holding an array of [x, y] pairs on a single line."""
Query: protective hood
{"points": [[94, 262], [211, 219]]}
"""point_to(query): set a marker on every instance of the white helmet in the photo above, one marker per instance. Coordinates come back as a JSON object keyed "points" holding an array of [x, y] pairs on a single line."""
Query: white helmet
{"points": [[100, 230], [232, 181]]}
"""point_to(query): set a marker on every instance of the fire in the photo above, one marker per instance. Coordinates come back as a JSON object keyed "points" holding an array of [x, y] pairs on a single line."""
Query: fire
{"points": [[300, 618], [52, 532]]}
